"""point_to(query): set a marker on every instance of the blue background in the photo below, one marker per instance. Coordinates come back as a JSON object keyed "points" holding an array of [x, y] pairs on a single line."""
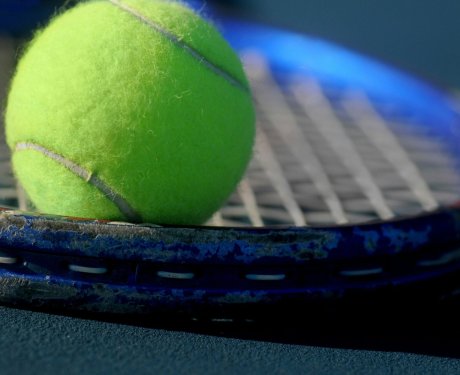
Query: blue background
{"points": [[420, 36]]}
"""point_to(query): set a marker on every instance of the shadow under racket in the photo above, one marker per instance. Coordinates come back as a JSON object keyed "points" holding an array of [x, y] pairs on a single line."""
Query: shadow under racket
{"points": [[429, 330]]}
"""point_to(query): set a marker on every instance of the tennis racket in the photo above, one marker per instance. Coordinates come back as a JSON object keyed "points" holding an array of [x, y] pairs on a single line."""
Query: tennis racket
{"points": [[352, 198]]}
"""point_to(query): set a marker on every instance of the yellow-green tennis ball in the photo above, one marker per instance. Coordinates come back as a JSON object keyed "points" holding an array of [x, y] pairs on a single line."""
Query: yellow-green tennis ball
{"points": [[131, 110]]}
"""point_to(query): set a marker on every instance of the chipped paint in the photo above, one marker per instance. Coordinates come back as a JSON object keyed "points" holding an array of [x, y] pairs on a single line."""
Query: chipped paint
{"points": [[400, 239], [370, 239], [247, 296]]}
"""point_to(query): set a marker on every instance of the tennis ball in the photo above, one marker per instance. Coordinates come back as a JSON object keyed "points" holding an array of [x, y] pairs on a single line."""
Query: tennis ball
{"points": [[134, 110]]}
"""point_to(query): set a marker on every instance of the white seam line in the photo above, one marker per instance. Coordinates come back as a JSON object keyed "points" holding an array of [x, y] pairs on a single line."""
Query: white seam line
{"points": [[114, 197], [189, 49]]}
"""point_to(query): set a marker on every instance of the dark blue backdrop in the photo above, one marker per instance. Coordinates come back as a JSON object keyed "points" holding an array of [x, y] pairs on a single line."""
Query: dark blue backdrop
{"points": [[421, 36]]}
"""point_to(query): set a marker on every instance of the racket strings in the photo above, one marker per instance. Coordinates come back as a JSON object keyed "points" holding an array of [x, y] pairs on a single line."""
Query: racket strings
{"points": [[8, 192], [317, 107], [371, 123], [335, 156]]}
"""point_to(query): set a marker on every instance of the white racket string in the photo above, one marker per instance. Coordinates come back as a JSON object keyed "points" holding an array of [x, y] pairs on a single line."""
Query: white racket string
{"points": [[317, 107], [8, 192], [274, 110], [250, 203], [365, 116]]}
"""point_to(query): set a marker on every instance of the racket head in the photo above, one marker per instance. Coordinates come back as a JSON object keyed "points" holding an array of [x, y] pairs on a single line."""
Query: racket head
{"points": [[284, 239]]}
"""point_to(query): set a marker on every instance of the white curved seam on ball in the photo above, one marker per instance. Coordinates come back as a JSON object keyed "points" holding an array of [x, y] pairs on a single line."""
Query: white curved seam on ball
{"points": [[89, 177], [174, 39]]}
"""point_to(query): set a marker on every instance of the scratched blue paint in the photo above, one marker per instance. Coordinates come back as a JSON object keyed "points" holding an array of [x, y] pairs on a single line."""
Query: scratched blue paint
{"points": [[243, 246], [418, 238], [370, 239], [246, 296], [399, 239]]}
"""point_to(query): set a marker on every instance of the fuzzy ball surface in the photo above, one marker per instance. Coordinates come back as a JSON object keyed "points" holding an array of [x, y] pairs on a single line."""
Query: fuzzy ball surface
{"points": [[133, 110]]}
